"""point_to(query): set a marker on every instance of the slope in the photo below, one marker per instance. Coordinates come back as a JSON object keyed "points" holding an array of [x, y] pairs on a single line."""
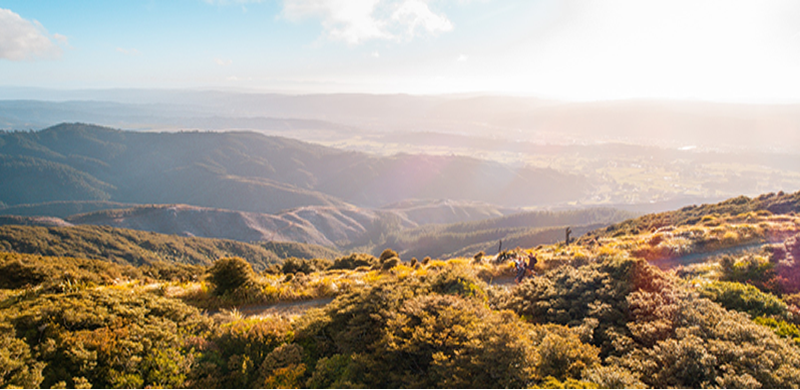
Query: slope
{"points": [[126, 246], [776, 203]]}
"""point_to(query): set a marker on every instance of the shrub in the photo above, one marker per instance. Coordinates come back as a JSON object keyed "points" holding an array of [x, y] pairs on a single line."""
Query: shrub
{"points": [[390, 263], [354, 261], [456, 282], [744, 298], [230, 273], [294, 265], [781, 328], [478, 256], [388, 254]]}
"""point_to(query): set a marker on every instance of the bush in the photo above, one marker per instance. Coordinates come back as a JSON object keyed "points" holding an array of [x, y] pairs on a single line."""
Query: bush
{"points": [[390, 263], [354, 261], [745, 298], [457, 282], [294, 265], [388, 254], [230, 273]]}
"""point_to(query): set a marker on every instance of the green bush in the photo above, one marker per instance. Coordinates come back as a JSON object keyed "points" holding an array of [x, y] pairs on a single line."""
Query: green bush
{"points": [[390, 263], [230, 273], [745, 298], [354, 261], [388, 254], [294, 265], [102, 338]]}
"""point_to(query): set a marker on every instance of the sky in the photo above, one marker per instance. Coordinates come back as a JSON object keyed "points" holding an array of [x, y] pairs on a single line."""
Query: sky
{"points": [[725, 50]]}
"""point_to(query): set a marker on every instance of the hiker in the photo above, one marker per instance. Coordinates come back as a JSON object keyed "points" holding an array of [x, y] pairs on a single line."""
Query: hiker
{"points": [[532, 263], [521, 269]]}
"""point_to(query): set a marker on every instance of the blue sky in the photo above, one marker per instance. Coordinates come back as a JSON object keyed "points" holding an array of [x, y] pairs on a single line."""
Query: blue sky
{"points": [[584, 50]]}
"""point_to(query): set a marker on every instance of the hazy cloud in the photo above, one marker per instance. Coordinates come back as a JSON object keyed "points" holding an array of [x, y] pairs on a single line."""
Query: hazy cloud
{"points": [[222, 62], [130, 52], [358, 21], [462, 58], [22, 39]]}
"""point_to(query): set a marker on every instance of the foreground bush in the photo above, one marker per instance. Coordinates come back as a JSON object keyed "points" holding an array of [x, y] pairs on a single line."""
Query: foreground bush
{"points": [[230, 273], [647, 325]]}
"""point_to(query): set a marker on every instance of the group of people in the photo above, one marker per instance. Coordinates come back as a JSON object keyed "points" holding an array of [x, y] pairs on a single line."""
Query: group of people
{"points": [[523, 268]]}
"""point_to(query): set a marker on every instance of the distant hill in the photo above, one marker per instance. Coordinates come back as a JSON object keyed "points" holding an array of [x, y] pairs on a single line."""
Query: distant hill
{"points": [[62, 209], [325, 226], [405, 228], [250, 172], [320, 225], [126, 246]]}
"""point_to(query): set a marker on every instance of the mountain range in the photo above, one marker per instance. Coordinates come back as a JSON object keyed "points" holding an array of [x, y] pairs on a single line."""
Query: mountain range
{"points": [[251, 172]]}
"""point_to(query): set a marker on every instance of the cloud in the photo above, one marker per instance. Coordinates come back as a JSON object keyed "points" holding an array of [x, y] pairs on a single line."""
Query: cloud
{"points": [[61, 39], [222, 62], [415, 14], [357, 21], [462, 58], [130, 52], [22, 39]]}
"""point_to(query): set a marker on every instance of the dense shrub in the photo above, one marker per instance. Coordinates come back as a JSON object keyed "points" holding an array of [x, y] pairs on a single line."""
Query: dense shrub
{"points": [[294, 265], [52, 273], [173, 272], [354, 261], [663, 336], [387, 254], [230, 273], [100, 338], [435, 331], [248, 354], [745, 298]]}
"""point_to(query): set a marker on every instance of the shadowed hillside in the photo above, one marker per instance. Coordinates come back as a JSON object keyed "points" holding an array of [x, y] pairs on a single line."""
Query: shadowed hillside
{"points": [[250, 172]]}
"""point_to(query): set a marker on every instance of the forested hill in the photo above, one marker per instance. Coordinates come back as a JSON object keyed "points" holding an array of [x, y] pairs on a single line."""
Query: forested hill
{"points": [[125, 246], [249, 172]]}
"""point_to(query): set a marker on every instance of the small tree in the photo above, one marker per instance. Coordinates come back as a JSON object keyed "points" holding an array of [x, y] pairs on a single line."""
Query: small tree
{"points": [[230, 273]]}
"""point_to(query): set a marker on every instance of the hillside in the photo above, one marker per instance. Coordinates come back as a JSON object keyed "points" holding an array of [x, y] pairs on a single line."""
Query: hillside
{"points": [[777, 203], [250, 172], [61, 209], [126, 246], [595, 314], [403, 227], [527, 229]]}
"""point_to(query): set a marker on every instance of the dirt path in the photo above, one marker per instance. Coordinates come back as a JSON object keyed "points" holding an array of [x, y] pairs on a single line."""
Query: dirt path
{"points": [[286, 309]]}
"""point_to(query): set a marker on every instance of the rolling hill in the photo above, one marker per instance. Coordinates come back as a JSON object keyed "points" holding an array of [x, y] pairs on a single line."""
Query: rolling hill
{"points": [[125, 246], [250, 172]]}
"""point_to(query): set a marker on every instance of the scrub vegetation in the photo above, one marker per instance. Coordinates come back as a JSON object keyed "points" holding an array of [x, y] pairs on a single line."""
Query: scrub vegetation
{"points": [[700, 304]]}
